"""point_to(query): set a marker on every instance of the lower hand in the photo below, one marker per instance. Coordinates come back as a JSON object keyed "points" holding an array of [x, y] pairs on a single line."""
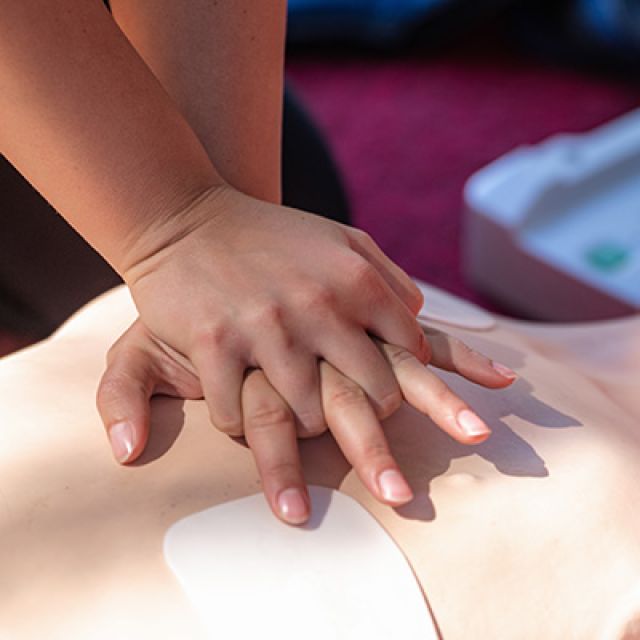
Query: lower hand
{"points": [[138, 368]]}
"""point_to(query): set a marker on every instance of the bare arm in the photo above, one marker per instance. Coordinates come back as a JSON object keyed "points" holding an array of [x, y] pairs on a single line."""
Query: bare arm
{"points": [[90, 126], [222, 63], [224, 279]]}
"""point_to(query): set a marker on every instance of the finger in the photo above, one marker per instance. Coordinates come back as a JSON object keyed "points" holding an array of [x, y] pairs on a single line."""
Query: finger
{"points": [[381, 311], [397, 326], [451, 354], [400, 283], [294, 373], [430, 395], [358, 359], [221, 376], [359, 435], [123, 399], [270, 433]]}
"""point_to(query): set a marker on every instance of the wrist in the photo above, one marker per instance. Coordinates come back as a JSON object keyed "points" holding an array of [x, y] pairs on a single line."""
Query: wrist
{"points": [[152, 243]]}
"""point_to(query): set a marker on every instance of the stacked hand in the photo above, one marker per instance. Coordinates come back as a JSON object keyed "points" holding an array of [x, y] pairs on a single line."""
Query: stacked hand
{"points": [[286, 324]]}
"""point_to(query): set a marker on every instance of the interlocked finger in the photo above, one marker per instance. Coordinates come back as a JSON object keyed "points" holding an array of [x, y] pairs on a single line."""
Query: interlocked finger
{"points": [[451, 354], [428, 393], [358, 432], [270, 432]]}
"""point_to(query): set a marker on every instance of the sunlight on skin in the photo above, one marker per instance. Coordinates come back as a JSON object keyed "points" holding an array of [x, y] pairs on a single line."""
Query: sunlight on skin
{"points": [[537, 524]]}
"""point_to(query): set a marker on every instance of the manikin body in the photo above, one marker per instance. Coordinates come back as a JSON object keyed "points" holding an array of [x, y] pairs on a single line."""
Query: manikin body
{"points": [[533, 534]]}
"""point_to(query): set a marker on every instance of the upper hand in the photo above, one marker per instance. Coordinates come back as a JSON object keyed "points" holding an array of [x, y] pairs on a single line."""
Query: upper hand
{"points": [[238, 283]]}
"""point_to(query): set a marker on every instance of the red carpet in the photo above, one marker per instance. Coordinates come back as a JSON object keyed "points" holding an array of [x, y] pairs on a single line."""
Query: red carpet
{"points": [[407, 132]]}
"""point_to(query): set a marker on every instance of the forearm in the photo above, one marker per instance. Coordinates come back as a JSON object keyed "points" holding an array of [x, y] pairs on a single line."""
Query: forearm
{"points": [[222, 62], [89, 125]]}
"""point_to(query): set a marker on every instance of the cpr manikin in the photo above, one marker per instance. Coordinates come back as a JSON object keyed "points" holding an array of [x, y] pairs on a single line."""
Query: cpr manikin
{"points": [[533, 534]]}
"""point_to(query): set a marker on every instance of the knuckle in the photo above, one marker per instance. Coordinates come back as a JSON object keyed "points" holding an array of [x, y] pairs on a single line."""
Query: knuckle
{"points": [[211, 337], [346, 395], [365, 275], [268, 417], [268, 314], [318, 299], [399, 357], [116, 383], [375, 453]]}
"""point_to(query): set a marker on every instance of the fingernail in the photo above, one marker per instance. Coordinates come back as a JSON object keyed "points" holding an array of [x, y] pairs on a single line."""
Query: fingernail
{"points": [[504, 371], [394, 487], [121, 437], [293, 506], [471, 424]]}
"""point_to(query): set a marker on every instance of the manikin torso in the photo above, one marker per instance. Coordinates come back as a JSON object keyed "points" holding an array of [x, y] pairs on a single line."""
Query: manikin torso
{"points": [[533, 534]]}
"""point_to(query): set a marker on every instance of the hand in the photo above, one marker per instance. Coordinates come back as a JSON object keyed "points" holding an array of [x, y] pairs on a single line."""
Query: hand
{"points": [[137, 368], [238, 283]]}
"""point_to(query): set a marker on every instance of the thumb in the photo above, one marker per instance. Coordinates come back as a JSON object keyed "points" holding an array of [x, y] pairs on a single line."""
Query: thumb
{"points": [[123, 401]]}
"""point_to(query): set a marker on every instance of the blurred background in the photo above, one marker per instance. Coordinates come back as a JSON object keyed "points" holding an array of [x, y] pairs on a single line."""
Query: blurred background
{"points": [[410, 98], [414, 96]]}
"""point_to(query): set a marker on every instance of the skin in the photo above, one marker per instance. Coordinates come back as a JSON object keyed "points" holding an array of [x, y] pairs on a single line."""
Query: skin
{"points": [[165, 127], [270, 425], [204, 71], [532, 534], [219, 272]]}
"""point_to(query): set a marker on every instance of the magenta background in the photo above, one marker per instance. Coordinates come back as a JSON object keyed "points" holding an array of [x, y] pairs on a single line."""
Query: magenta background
{"points": [[407, 131]]}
